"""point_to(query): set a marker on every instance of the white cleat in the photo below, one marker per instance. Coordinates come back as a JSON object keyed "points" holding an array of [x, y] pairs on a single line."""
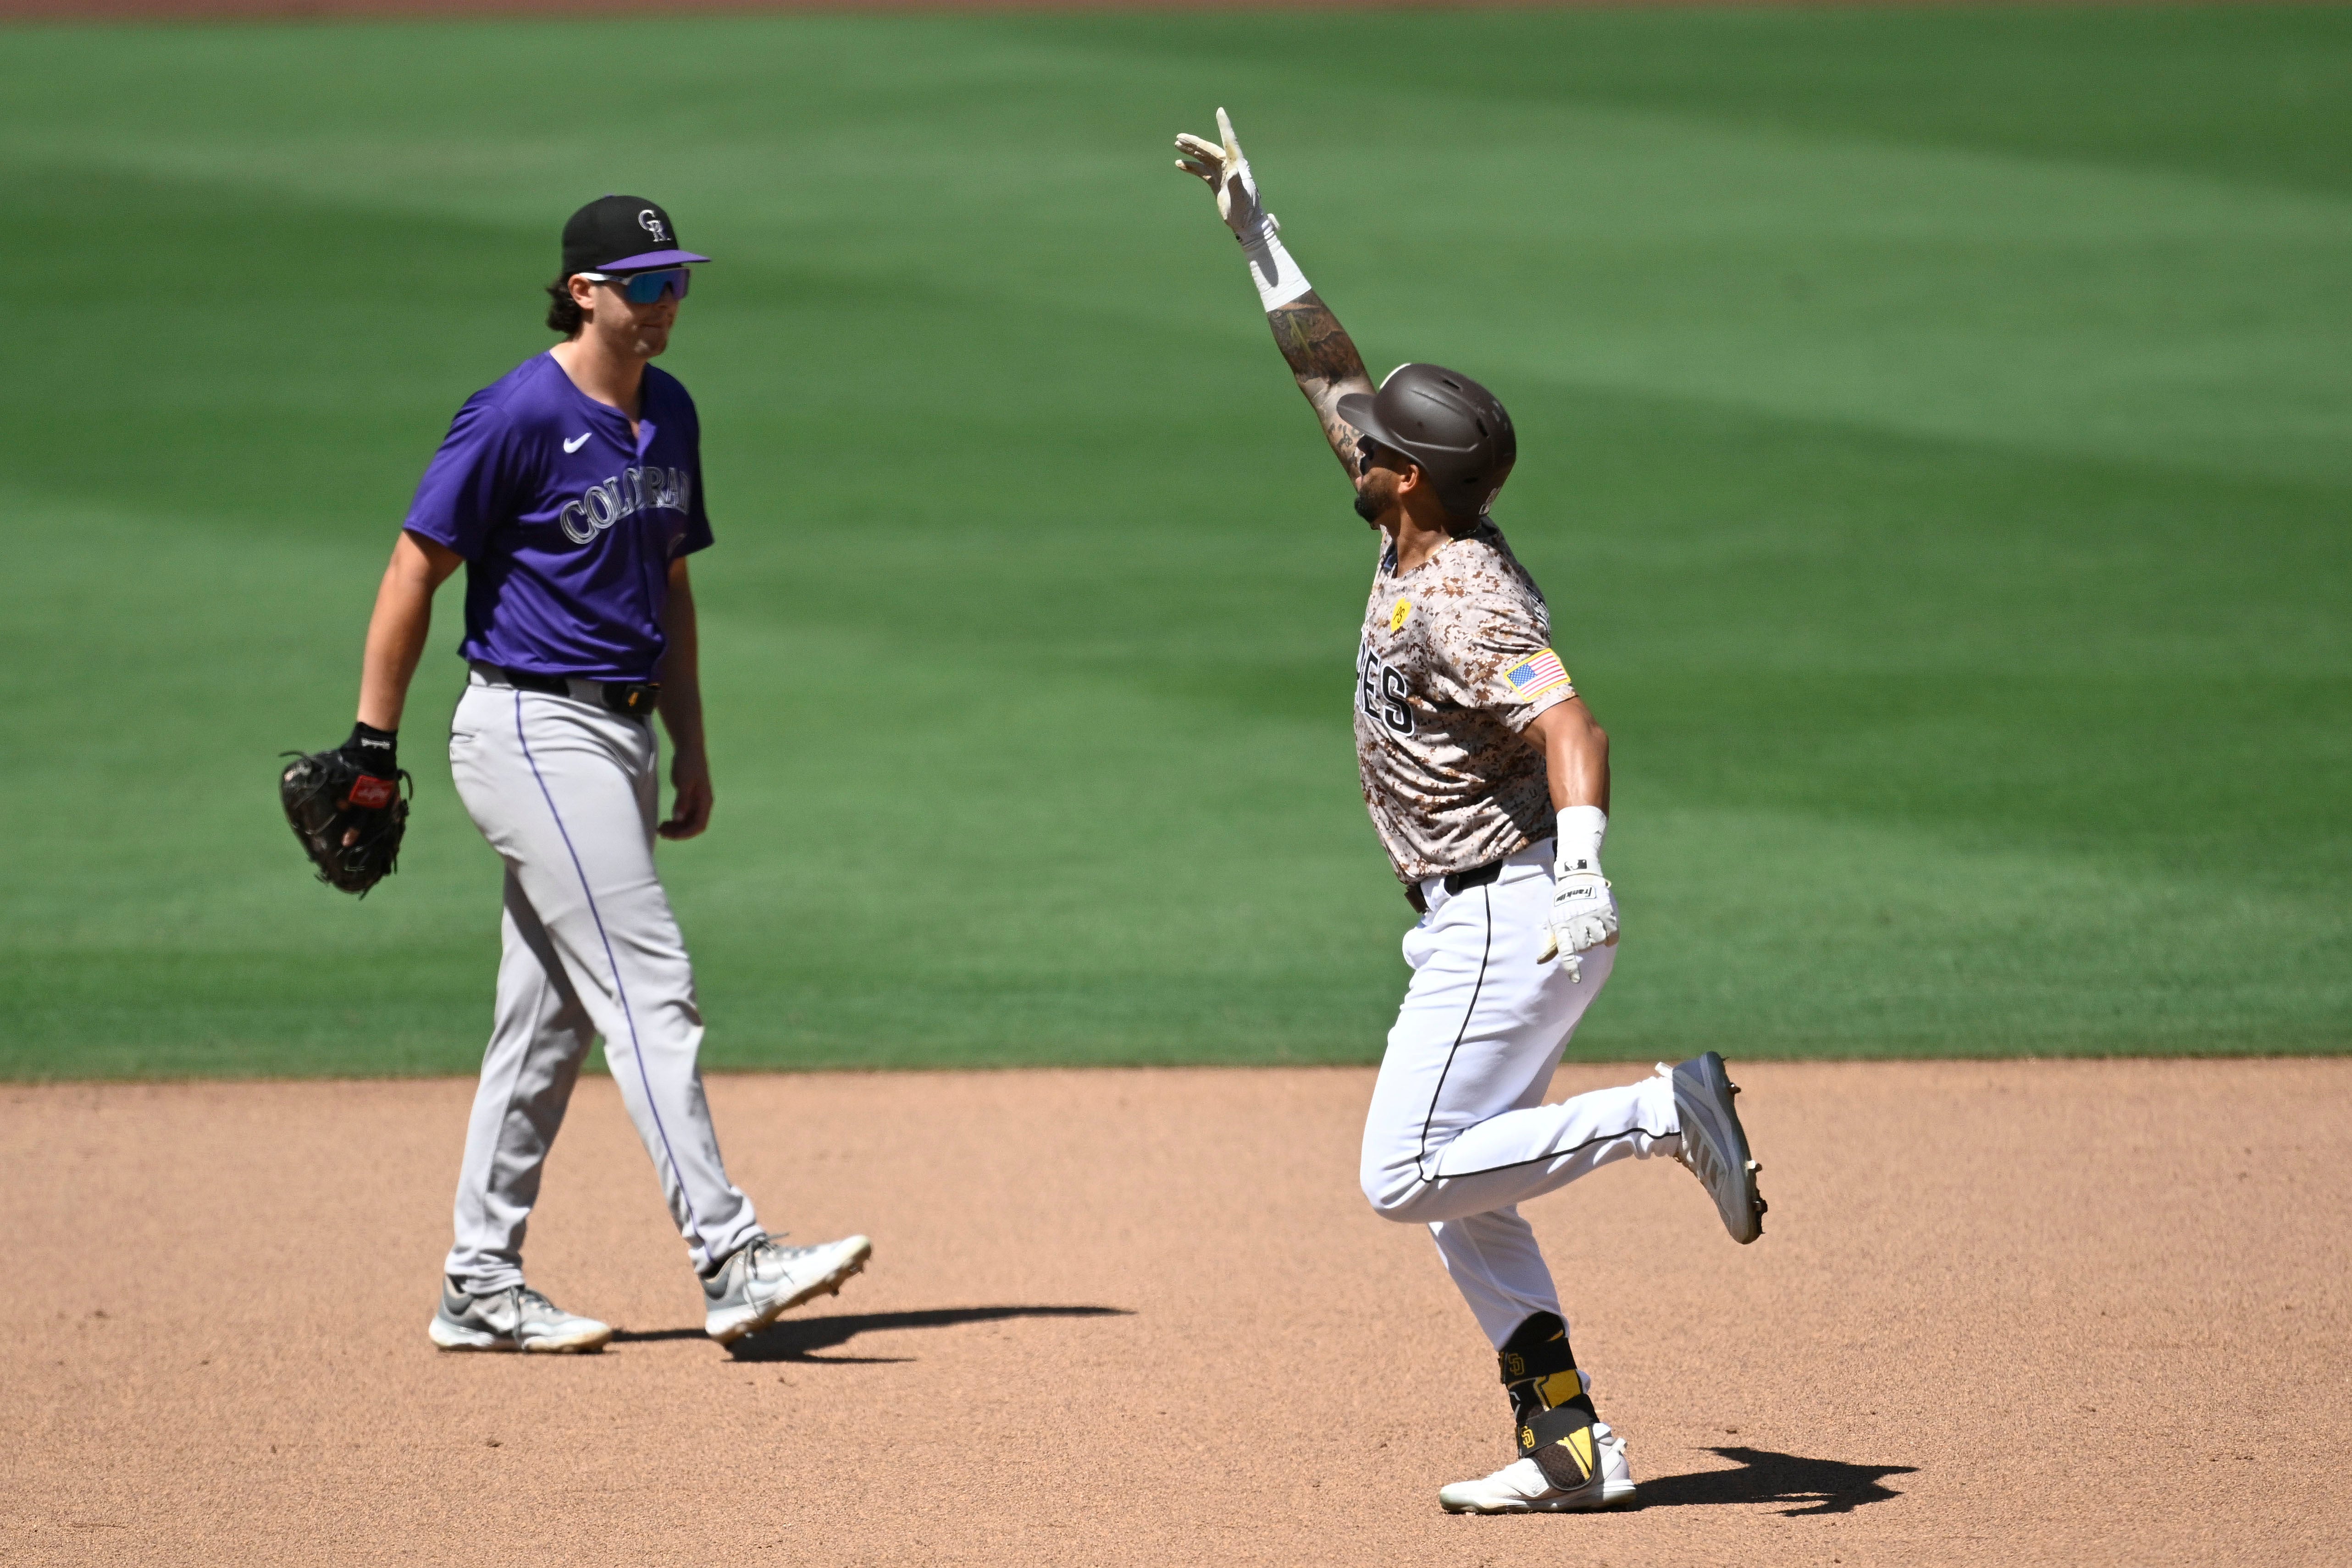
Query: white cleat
{"points": [[764, 1280], [516, 1319], [1528, 1486]]}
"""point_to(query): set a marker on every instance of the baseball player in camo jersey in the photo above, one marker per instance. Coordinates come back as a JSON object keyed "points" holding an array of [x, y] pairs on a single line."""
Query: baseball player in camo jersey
{"points": [[1489, 784], [571, 490]]}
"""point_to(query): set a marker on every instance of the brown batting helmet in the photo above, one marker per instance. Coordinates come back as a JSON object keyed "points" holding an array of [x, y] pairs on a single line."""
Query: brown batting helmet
{"points": [[1454, 428]]}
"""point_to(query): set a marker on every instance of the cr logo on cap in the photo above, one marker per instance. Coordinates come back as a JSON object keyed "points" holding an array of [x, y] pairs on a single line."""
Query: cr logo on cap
{"points": [[650, 221]]}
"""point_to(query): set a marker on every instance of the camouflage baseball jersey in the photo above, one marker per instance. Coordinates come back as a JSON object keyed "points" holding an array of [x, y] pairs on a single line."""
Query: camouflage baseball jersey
{"points": [[1454, 662]]}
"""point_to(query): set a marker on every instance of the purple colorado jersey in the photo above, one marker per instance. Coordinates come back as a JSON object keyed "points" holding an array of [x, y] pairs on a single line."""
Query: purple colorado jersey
{"points": [[567, 523]]}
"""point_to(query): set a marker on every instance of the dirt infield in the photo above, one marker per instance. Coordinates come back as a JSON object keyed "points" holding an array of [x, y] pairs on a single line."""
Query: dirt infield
{"points": [[2088, 1312]]}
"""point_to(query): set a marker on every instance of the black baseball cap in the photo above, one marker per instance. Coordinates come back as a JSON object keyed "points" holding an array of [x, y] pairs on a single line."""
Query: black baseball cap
{"points": [[622, 233]]}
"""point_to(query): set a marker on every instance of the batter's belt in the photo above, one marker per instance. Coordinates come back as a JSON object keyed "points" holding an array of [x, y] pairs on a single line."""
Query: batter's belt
{"points": [[1456, 881]]}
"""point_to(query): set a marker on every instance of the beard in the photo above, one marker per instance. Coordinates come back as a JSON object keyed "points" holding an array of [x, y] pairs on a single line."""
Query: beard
{"points": [[1375, 495], [1368, 509]]}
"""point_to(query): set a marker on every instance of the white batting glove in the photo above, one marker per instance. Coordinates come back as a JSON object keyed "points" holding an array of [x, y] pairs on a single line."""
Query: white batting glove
{"points": [[1581, 916], [1227, 173], [1278, 277]]}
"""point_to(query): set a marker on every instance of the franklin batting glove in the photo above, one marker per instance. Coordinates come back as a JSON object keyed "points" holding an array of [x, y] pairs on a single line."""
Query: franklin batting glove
{"points": [[1227, 173], [1583, 915]]}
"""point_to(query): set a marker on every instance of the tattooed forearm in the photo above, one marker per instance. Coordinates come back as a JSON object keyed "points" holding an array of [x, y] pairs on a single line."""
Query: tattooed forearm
{"points": [[1324, 360], [1316, 344]]}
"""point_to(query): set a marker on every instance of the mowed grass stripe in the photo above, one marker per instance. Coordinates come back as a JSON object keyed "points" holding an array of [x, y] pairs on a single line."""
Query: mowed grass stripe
{"points": [[1987, 286], [1963, 704]]}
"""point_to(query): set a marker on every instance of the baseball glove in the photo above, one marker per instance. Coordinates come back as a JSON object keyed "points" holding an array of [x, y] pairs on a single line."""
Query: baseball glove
{"points": [[349, 821]]}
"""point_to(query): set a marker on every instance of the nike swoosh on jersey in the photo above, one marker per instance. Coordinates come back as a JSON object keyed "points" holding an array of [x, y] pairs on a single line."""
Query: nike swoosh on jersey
{"points": [[578, 441]]}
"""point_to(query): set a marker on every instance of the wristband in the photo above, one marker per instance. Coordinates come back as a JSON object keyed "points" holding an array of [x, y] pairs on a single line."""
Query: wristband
{"points": [[1581, 829], [1278, 277], [375, 750]]}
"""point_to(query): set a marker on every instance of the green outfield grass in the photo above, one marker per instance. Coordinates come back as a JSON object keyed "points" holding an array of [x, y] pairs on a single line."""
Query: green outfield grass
{"points": [[1937, 437]]}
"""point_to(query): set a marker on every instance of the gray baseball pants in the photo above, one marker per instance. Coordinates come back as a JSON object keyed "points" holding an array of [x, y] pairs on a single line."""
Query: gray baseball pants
{"points": [[567, 792]]}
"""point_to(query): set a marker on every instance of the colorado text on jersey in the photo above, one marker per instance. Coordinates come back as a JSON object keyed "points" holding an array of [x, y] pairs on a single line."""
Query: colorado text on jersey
{"points": [[630, 491]]}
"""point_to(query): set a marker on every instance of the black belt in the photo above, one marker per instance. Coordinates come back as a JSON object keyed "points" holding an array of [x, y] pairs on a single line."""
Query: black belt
{"points": [[1477, 876], [1456, 882], [635, 699]]}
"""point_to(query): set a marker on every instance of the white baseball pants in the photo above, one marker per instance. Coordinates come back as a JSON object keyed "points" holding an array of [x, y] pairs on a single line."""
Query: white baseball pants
{"points": [[567, 792], [1458, 1135]]}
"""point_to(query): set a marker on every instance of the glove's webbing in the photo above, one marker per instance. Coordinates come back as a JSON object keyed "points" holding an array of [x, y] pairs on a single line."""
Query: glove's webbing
{"points": [[328, 800]]}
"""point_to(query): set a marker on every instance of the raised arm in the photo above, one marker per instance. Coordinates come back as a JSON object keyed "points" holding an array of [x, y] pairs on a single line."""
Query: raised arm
{"points": [[1320, 354], [1324, 360]]}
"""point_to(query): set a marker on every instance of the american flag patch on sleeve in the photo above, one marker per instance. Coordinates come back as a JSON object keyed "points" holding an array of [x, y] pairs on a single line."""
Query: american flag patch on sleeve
{"points": [[1532, 677]]}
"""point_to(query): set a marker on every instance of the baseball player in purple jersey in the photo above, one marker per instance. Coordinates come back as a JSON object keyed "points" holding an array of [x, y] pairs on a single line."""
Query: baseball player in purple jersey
{"points": [[571, 490], [1488, 782]]}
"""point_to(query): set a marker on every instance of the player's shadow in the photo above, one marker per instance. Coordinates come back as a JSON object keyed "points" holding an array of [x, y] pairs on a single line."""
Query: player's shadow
{"points": [[796, 1338], [1818, 1486]]}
